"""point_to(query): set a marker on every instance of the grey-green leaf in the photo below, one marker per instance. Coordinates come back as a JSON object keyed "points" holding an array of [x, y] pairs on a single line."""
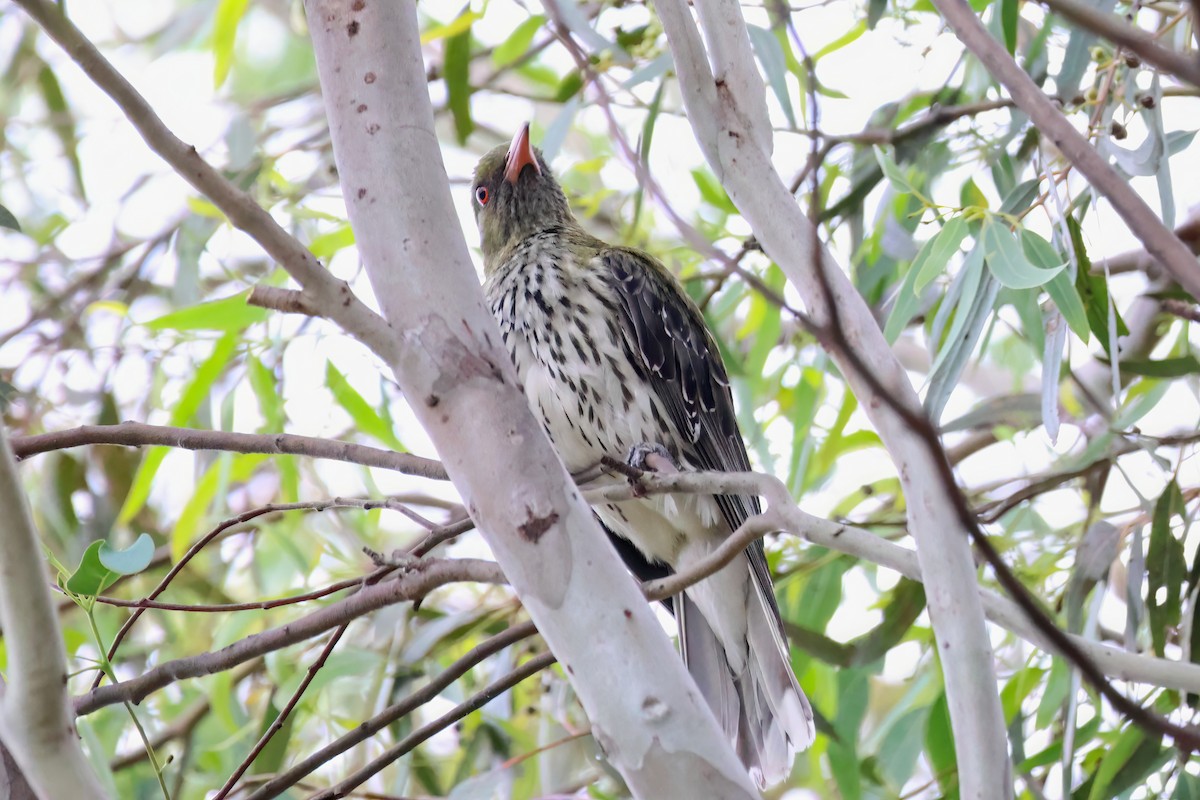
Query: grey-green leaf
{"points": [[1006, 260], [936, 252]]}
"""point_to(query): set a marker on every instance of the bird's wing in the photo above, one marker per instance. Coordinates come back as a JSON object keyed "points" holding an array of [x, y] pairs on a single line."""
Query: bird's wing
{"points": [[684, 369]]}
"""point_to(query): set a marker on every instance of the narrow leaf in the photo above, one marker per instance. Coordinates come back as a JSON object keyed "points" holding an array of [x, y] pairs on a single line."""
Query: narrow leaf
{"points": [[936, 253], [228, 314], [1006, 260], [460, 24], [225, 25], [1165, 569], [456, 69], [770, 55], [517, 43], [366, 419]]}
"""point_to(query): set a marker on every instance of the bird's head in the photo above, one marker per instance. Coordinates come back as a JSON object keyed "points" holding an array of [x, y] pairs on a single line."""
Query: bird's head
{"points": [[515, 196]]}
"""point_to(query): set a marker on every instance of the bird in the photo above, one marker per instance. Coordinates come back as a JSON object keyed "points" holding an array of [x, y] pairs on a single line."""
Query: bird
{"points": [[616, 360]]}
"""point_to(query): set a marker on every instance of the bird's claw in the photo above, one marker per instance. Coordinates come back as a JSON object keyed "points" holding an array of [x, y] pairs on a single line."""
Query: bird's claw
{"points": [[651, 457]]}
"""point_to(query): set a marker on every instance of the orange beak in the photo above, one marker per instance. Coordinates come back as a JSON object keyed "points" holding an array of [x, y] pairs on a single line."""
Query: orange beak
{"points": [[520, 155]]}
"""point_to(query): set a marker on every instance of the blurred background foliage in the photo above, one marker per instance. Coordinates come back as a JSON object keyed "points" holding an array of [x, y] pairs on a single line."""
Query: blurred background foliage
{"points": [[1003, 282]]}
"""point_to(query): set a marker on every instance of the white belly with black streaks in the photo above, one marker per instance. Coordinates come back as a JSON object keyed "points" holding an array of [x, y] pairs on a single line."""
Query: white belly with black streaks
{"points": [[561, 325]]}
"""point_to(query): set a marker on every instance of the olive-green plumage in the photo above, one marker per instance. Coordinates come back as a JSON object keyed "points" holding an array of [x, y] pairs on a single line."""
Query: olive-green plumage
{"points": [[613, 354]]}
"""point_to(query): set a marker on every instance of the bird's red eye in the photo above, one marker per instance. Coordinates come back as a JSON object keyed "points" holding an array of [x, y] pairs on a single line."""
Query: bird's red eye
{"points": [[482, 195]]}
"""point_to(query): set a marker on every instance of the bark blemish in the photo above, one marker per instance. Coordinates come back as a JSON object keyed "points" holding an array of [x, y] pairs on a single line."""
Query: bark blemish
{"points": [[534, 526], [369, 77], [352, 28], [654, 710]]}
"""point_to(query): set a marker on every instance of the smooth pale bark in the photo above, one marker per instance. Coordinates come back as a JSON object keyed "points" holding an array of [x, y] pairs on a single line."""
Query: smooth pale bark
{"points": [[644, 708], [35, 720], [723, 94]]}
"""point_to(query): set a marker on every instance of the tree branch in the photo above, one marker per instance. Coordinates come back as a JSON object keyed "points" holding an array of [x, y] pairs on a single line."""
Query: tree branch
{"points": [[728, 138], [464, 391], [331, 297], [1159, 240], [1119, 31], [394, 712], [138, 434], [476, 701], [422, 578], [35, 720]]}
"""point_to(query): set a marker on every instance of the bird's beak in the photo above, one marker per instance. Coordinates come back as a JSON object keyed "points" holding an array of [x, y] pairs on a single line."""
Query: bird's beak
{"points": [[520, 155]]}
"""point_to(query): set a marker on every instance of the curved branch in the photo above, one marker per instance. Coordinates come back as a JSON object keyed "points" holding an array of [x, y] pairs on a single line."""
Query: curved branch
{"points": [[330, 297], [476, 701], [422, 578], [394, 712], [35, 719], [138, 434], [867, 546]]}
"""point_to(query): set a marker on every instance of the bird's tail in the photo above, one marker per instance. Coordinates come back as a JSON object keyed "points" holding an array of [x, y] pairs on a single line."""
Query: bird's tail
{"points": [[762, 709], [776, 718]]}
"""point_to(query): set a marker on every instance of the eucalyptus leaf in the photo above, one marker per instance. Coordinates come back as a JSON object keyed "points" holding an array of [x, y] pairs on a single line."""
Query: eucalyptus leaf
{"points": [[936, 253], [1006, 260], [770, 56], [102, 565]]}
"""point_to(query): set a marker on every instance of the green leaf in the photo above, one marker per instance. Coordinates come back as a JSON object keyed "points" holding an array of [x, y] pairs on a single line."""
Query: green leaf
{"points": [[228, 314], [225, 25], [459, 25], [263, 384], [329, 243], [893, 172], [935, 254], [132, 559], [712, 192], [456, 69], [62, 121], [960, 298], [644, 150], [7, 220], [905, 606], [1188, 787], [904, 308], [185, 408], [1115, 759], [568, 87], [1009, 13], [1060, 288], [822, 594], [1163, 367], [875, 9], [770, 55], [228, 469], [517, 43], [1020, 197], [849, 37], [1093, 290], [366, 419], [1166, 568], [1006, 260], [939, 745], [971, 196], [102, 565]]}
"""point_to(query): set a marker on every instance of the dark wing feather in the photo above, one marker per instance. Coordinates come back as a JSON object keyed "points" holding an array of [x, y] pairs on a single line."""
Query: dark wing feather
{"points": [[684, 369]]}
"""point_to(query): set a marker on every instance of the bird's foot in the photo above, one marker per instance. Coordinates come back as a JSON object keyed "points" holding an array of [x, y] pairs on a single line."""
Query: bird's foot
{"points": [[648, 457], [651, 457]]}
